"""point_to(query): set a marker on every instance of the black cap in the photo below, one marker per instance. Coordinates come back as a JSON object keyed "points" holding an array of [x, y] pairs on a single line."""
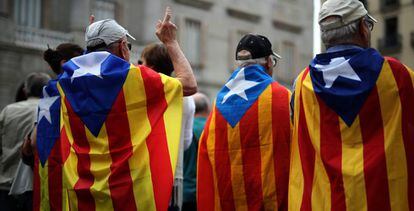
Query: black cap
{"points": [[258, 46]]}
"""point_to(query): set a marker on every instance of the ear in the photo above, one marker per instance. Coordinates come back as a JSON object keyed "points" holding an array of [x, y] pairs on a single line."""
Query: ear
{"points": [[123, 50], [364, 32], [269, 66]]}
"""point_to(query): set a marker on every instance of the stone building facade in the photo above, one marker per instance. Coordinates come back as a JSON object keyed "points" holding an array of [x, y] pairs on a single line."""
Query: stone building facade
{"points": [[208, 32], [393, 35]]}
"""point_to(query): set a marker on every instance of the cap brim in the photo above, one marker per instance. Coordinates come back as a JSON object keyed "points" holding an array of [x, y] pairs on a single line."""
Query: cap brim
{"points": [[130, 36], [276, 55], [372, 18]]}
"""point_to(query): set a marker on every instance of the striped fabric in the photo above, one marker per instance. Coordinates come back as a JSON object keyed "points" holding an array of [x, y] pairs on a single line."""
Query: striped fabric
{"points": [[245, 167], [129, 164], [367, 165]]}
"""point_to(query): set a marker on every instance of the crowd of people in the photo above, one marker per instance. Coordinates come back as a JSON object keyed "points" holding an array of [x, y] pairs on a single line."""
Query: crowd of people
{"points": [[107, 134]]}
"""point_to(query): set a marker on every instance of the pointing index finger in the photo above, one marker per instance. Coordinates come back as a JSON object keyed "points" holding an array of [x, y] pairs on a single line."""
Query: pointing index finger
{"points": [[167, 16]]}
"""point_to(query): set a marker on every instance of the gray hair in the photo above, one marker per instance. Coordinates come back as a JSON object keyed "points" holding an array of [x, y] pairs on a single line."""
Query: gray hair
{"points": [[243, 63], [202, 103], [244, 58], [344, 34], [34, 83]]}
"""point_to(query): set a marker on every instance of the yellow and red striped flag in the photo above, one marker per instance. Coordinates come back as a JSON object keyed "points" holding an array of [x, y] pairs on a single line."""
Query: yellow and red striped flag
{"points": [[118, 138], [352, 146], [243, 160]]}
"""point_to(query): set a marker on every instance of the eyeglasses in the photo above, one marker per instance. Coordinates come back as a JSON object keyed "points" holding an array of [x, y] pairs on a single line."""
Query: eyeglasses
{"points": [[274, 59], [129, 46], [369, 23]]}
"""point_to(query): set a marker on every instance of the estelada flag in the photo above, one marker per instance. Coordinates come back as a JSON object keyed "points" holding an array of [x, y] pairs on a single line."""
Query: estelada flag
{"points": [[108, 137], [353, 139], [243, 160]]}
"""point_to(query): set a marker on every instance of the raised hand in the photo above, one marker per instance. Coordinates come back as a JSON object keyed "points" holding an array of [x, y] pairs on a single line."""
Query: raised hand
{"points": [[166, 31]]}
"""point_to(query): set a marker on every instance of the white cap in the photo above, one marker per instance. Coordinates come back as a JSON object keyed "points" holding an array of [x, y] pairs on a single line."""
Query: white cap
{"points": [[347, 10], [105, 31]]}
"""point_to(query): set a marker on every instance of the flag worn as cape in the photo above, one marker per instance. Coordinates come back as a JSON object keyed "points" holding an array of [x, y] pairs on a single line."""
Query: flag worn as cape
{"points": [[352, 146], [115, 131], [243, 160]]}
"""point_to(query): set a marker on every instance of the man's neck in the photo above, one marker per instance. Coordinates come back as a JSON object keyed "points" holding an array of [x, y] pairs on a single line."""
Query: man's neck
{"points": [[342, 47]]}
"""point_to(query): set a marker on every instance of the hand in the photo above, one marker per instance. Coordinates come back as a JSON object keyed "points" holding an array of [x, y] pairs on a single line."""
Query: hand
{"points": [[27, 149], [166, 30]]}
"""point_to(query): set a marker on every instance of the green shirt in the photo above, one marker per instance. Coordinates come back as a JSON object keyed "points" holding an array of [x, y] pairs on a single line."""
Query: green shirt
{"points": [[190, 162]]}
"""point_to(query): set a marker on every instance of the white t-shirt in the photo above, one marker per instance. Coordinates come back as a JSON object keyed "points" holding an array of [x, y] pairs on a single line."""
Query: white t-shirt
{"points": [[186, 133]]}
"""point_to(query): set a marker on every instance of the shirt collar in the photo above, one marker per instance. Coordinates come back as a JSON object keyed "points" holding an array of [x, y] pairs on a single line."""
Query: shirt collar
{"points": [[342, 48]]}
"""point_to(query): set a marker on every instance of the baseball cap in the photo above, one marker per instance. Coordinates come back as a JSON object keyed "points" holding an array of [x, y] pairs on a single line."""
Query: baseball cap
{"points": [[258, 46], [105, 31], [347, 10]]}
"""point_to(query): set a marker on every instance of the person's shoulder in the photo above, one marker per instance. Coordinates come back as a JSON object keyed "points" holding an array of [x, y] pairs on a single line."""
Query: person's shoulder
{"points": [[152, 73], [15, 108], [276, 86], [153, 78], [392, 60], [397, 66], [280, 93]]}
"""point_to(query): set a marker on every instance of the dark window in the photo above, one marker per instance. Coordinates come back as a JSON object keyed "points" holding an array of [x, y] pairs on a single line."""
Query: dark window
{"points": [[390, 2], [391, 42], [4, 7], [391, 31], [28, 13], [412, 39], [389, 5]]}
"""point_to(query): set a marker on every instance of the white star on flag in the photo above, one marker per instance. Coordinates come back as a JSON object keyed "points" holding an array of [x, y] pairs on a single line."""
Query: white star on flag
{"points": [[337, 67], [238, 85], [89, 64], [44, 106]]}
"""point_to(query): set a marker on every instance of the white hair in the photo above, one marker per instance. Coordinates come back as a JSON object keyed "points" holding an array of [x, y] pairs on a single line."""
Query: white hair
{"points": [[339, 35], [243, 63]]}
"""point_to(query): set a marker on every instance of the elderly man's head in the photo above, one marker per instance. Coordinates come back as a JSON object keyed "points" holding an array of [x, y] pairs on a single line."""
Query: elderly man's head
{"points": [[108, 35], [202, 105], [256, 49], [34, 83], [345, 22]]}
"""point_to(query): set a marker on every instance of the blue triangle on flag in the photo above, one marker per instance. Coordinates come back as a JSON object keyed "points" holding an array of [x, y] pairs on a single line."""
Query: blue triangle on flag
{"points": [[48, 123], [253, 80], [346, 96], [92, 95]]}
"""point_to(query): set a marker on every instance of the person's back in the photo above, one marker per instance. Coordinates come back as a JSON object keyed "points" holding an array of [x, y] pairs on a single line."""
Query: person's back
{"points": [[116, 143], [353, 122], [156, 57], [244, 150], [16, 121]]}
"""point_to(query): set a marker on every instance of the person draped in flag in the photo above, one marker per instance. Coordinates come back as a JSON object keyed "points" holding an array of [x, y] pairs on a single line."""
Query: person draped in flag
{"points": [[352, 146], [108, 131], [243, 160], [155, 56]]}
